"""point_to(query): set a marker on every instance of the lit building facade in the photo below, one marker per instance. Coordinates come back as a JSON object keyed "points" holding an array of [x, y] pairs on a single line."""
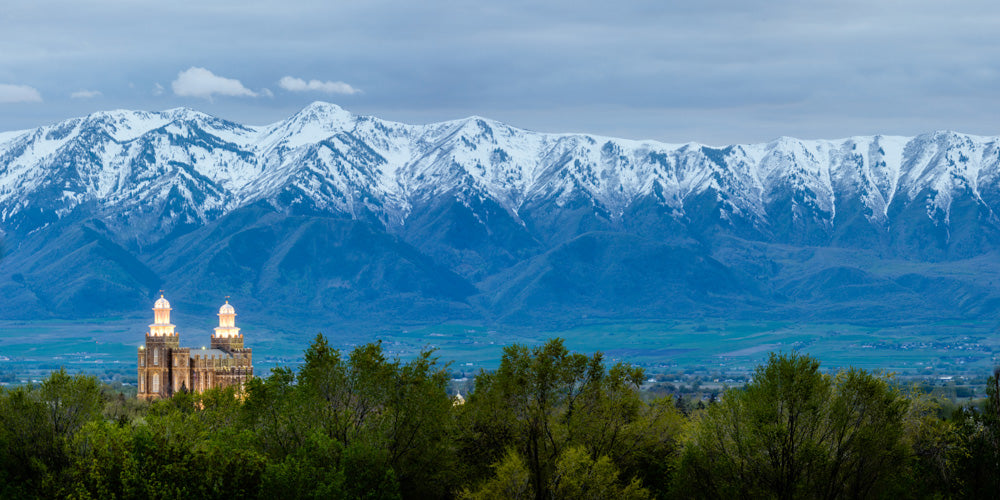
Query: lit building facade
{"points": [[165, 367]]}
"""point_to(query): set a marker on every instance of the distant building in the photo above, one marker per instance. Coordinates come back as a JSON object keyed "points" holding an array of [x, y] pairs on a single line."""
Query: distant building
{"points": [[165, 367]]}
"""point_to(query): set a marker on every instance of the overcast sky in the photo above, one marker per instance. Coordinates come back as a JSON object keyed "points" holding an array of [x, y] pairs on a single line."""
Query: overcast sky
{"points": [[709, 71]]}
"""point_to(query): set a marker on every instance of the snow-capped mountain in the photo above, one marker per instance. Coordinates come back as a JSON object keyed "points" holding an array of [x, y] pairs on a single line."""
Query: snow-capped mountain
{"points": [[483, 202], [198, 168]]}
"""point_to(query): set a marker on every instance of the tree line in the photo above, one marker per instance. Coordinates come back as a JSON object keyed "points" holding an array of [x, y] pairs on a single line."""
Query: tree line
{"points": [[547, 424]]}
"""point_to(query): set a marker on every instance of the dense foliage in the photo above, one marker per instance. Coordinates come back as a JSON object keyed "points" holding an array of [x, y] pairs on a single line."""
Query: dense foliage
{"points": [[548, 424]]}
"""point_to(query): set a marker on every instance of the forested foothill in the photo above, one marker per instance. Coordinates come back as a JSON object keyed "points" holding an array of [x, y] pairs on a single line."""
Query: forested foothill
{"points": [[547, 424]]}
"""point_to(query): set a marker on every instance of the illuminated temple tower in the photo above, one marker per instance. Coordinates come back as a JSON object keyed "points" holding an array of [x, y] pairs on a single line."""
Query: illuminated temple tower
{"points": [[165, 367], [227, 335], [155, 356]]}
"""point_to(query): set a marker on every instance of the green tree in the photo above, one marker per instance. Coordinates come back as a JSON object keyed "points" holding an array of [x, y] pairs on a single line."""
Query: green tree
{"points": [[71, 401], [526, 404], [796, 433], [649, 445], [936, 449], [102, 455], [978, 468], [865, 446], [419, 427], [511, 481], [36, 426], [273, 411], [347, 396], [543, 400], [391, 421], [576, 476], [311, 472], [30, 452]]}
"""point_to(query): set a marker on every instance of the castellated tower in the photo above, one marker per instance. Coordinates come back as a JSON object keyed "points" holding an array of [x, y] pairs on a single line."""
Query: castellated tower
{"points": [[155, 370], [228, 339], [166, 368], [227, 336]]}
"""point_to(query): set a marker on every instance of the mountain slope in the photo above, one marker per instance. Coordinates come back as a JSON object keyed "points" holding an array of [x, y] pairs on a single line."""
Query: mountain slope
{"points": [[369, 220]]}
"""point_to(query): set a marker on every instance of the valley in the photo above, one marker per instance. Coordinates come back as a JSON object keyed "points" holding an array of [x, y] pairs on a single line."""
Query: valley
{"points": [[467, 235], [683, 351]]}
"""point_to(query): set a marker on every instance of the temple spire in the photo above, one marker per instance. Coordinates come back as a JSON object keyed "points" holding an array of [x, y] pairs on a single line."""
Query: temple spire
{"points": [[227, 322], [161, 318]]}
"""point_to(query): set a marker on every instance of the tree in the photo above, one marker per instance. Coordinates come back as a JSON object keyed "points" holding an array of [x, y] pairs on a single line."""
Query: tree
{"points": [[936, 449], [312, 471], [866, 451], [385, 425], [274, 412], [511, 481], [796, 433], [526, 404], [71, 401], [979, 433], [30, 451], [649, 445], [544, 400], [36, 425], [576, 476], [419, 428]]}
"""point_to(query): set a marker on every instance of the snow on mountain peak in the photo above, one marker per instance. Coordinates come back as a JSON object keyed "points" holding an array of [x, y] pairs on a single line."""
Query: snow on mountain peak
{"points": [[13, 134], [124, 125], [330, 115], [313, 123], [337, 160], [323, 107]]}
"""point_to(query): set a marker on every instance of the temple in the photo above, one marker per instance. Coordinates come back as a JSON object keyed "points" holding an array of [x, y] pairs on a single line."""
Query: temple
{"points": [[165, 367]]}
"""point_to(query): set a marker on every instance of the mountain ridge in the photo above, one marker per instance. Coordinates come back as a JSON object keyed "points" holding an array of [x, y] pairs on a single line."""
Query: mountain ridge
{"points": [[497, 222], [399, 162]]}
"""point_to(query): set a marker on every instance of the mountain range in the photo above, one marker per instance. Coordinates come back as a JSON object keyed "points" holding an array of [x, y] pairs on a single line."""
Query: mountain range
{"points": [[354, 220]]}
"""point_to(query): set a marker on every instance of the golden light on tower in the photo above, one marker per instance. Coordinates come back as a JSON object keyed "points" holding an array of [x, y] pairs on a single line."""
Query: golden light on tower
{"points": [[161, 318], [227, 322], [165, 367]]}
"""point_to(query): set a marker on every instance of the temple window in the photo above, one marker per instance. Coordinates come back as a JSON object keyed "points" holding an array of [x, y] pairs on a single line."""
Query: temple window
{"points": [[156, 382]]}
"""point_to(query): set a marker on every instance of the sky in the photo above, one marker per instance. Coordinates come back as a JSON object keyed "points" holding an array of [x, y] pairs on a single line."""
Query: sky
{"points": [[711, 71]]}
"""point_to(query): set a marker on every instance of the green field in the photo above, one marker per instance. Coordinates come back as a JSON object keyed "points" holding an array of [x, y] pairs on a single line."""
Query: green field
{"points": [[953, 348], [30, 350]]}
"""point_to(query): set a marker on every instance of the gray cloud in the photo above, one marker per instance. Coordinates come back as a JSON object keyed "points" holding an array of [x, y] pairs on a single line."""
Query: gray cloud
{"points": [[18, 93], [713, 71], [85, 94]]}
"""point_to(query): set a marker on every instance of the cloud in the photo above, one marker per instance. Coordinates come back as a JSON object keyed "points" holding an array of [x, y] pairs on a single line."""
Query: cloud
{"points": [[85, 94], [292, 84], [200, 82], [157, 89], [18, 93], [814, 69]]}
